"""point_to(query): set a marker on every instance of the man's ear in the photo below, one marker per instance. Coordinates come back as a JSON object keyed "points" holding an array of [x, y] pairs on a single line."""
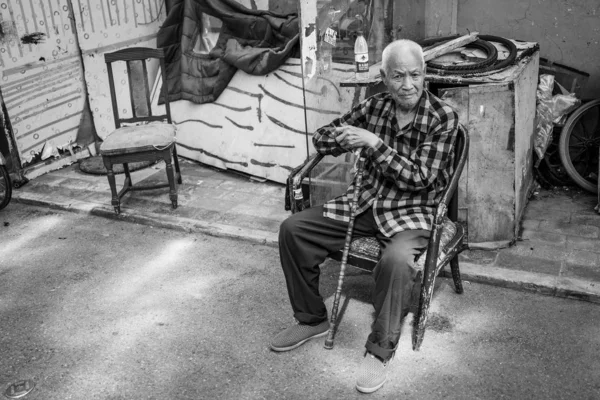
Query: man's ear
{"points": [[382, 73]]}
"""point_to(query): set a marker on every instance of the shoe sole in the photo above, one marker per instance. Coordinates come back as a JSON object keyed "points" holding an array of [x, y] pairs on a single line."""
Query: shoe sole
{"points": [[292, 347], [370, 389]]}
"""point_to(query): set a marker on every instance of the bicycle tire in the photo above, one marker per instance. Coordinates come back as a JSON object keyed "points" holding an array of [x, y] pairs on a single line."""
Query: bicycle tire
{"points": [[512, 55], [488, 48], [495, 66], [5, 187], [565, 145]]}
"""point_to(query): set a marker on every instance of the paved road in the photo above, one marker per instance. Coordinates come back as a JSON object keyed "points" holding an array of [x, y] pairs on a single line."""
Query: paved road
{"points": [[92, 308]]}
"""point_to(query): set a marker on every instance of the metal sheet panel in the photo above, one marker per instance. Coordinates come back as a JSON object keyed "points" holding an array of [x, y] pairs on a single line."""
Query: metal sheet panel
{"points": [[42, 82]]}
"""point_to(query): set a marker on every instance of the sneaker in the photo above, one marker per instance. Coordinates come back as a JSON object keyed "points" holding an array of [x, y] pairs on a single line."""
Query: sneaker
{"points": [[372, 373], [296, 335]]}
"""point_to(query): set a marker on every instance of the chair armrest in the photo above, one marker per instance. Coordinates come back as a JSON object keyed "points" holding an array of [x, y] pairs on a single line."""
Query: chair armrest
{"points": [[295, 199]]}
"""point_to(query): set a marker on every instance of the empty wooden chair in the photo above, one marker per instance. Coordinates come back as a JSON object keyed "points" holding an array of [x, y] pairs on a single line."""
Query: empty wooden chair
{"points": [[143, 136]]}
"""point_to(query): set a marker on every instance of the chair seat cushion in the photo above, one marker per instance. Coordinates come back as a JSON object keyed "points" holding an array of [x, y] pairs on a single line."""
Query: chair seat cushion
{"points": [[134, 139], [369, 248]]}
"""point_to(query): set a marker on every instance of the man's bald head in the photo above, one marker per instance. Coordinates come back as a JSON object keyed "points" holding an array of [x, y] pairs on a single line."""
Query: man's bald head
{"points": [[400, 49], [403, 73]]}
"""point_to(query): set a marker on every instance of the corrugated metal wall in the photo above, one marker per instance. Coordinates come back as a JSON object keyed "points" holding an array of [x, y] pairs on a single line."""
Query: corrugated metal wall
{"points": [[51, 59], [42, 80]]}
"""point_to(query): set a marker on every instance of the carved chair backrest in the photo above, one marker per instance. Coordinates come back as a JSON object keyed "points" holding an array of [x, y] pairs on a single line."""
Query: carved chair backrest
{"points": [[136, 59]]}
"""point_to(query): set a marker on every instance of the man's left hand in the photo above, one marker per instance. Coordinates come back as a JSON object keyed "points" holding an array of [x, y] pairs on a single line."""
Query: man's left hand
{"points": [[351, 137]]}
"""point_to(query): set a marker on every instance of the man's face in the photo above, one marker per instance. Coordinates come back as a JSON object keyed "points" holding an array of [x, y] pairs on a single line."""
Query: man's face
{"points": [[404, 78]]}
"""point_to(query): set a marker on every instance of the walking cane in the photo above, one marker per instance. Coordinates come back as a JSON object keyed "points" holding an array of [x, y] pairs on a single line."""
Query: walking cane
{"points": [[353, 206]]}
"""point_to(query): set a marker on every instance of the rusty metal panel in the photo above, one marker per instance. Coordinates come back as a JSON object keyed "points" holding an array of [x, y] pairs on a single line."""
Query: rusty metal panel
{"points": [[42, 80]]}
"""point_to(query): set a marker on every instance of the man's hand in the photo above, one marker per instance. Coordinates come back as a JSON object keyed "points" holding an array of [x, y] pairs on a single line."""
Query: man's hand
{"points": [[351, 137]]}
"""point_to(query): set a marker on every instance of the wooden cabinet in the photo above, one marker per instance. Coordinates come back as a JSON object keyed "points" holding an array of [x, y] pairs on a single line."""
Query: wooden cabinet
{"points": [[499, 111]]}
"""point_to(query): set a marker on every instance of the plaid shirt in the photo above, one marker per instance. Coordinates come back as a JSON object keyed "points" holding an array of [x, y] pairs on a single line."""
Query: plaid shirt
{"points": [[406, 173]]}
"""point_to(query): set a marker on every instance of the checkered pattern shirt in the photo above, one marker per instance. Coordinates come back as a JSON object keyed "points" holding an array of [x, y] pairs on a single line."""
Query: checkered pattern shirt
{"points": [[407, 172]]}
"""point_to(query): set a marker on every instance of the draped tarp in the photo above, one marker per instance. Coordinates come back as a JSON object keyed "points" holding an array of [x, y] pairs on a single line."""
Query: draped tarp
{"points": [[255, 41]]}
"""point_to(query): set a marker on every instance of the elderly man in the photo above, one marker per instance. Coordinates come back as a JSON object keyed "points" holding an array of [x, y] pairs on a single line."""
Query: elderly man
{"points": [[408, 136]]}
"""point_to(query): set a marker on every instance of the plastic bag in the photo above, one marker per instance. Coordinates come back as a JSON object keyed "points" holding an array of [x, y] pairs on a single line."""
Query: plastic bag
{"points": [[543, 115], [550, 110], [562, 105]]}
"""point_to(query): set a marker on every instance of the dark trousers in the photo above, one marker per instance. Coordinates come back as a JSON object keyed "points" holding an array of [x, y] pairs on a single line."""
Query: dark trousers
{"points": [[307, 238]]}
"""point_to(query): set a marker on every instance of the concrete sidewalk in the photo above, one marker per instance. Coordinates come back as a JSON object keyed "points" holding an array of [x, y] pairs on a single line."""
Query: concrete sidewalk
{"points": [[558, 253]]}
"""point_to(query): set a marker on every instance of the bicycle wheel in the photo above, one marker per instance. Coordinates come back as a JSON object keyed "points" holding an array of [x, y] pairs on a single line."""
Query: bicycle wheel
{"points": [[579, 143], [510, 46], [5, 187]]}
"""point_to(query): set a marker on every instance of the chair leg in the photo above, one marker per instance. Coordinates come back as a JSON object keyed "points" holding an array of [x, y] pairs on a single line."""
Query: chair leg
{"points": [[171, 178], [458, 287], [113, 185], [176, 162], [427, 286], [128, 181]]}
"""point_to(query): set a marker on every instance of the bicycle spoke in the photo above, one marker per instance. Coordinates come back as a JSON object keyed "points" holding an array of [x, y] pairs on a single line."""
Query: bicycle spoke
{"points": [[573, 135], [580, 130], [578, 155]]}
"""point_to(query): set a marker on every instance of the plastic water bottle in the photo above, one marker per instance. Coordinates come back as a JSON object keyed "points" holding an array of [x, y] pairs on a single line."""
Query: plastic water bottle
{"points": [[361, 57]]}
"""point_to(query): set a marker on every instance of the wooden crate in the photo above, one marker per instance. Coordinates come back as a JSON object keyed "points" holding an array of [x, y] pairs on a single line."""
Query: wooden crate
{"points": [[499, 111]]}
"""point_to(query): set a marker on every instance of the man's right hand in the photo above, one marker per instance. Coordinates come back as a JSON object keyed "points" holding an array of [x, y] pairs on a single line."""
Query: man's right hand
{"points": [[351, 137]]}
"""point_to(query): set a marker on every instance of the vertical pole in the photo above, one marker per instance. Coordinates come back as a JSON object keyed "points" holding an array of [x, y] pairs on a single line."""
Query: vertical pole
{"points": [[378, 30], [307, 11]]}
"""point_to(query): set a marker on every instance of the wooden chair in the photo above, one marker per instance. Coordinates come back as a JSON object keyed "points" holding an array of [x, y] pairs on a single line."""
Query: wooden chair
{"points": [[445, 242], [144, 136]]}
